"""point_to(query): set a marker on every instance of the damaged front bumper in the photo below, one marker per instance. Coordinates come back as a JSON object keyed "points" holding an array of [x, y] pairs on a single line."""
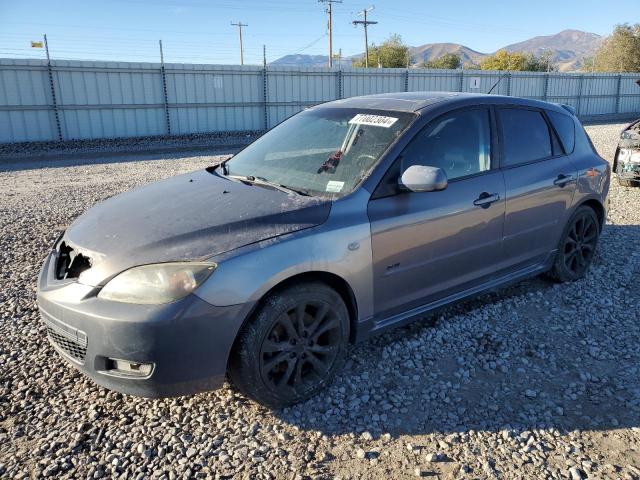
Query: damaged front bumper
{"points": [[168, 350], [627, 157]]}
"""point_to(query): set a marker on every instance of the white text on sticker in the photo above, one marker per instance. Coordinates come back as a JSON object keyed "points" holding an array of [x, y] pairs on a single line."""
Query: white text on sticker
{"points": [[374, 120]]}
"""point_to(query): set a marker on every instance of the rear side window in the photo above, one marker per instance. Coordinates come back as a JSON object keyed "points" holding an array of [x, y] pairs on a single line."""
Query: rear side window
{"points": [[525, 136], [565, 127]]}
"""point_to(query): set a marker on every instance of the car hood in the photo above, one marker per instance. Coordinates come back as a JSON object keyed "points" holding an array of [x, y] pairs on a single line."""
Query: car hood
{"points": [[187, 217]]}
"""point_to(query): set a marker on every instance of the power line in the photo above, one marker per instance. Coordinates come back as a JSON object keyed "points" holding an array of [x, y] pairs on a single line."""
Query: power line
{"points": [[310, 44], [330, 12], [240, 25]]}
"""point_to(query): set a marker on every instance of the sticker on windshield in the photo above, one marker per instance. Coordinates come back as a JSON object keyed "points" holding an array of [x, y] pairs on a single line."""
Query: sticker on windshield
{"points": [[374, 120], [334, 186]]}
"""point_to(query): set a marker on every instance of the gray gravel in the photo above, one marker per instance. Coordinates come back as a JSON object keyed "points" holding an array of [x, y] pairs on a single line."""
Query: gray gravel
{"points": [[535, 381], [163, 143]]}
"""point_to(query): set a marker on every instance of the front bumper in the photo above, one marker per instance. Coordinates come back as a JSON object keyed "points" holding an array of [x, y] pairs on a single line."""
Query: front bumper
{"points": [[629, 170], [626, 160], [187, 341]]}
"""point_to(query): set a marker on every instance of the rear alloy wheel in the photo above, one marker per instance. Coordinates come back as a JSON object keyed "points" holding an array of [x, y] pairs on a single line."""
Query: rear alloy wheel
{"points": [[577, 246], [292, 348]]}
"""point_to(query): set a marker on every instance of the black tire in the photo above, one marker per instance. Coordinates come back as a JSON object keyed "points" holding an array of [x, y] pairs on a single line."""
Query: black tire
{"points": [[292, 347], [577, 246], [624, 182]]}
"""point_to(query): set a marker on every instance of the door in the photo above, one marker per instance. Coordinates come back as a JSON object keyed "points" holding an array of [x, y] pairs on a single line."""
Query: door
{"points": [[540, 181], [431, 244]]}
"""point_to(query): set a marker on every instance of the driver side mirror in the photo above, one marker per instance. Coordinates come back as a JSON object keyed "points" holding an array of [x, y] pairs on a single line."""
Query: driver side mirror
{"points": [[420, 178]]}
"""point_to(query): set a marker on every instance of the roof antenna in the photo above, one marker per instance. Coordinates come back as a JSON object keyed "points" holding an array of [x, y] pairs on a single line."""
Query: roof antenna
{"points": [[499, 80]]}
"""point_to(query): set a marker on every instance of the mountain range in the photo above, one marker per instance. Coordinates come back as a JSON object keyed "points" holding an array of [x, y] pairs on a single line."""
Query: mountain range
{"points": [[568, 50]]}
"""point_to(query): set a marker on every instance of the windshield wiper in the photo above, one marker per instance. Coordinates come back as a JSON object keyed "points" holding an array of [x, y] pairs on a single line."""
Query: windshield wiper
{"points": [[268, 183]]}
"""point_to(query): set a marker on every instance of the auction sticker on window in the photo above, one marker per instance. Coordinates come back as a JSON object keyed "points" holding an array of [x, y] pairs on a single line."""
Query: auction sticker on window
{"points": [[334, 186], [374, 120]]}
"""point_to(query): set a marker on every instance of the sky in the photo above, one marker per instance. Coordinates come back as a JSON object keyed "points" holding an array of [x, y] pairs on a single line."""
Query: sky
{"points": [[200, 31]]}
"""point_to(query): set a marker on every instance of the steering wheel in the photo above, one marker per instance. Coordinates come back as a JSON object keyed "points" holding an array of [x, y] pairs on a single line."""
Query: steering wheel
{"points": [[365, 160], [456, 163]]}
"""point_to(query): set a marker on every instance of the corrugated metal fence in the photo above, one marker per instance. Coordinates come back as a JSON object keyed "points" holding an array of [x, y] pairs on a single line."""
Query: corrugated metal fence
{"points": [[113, 99]]}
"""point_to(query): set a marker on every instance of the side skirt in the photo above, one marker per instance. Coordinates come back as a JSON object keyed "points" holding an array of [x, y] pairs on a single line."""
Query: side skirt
{"points": [[373, 326]]}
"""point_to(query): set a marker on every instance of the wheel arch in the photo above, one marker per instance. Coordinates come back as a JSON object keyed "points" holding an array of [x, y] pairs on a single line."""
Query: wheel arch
{"points": [[597, 207], [332, 280]]}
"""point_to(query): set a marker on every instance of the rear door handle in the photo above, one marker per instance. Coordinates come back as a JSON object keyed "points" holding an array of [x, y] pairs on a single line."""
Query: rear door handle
{"points": [[563, 179], [486, 199]]}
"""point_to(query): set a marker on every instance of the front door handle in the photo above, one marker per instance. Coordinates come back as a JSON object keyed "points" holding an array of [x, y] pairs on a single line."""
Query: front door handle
{"points": [[486, 199], [563, 180]]}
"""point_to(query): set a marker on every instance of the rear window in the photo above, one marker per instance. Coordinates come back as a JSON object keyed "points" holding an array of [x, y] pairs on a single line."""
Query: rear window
{"points": [[525, 136], [565, 127]]}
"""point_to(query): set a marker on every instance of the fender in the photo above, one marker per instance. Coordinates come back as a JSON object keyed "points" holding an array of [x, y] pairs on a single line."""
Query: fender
{"points": [[340, 246]]}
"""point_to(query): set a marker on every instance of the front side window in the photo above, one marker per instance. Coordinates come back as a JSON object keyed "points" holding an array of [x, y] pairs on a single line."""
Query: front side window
{"points": [[458, 142], [525, 136], [322, 151]]}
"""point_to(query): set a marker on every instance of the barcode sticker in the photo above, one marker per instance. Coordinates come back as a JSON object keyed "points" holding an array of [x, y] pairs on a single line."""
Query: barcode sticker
{"points": [[334, 186], [374, 120]]}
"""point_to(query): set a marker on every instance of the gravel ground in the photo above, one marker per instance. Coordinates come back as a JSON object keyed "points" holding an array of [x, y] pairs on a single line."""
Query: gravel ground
{"points": [[80, 148], [534, 381]]}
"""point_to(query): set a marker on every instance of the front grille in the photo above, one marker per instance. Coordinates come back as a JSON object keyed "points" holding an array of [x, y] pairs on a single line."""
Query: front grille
{"points": [[69, 340], [68, 346]]}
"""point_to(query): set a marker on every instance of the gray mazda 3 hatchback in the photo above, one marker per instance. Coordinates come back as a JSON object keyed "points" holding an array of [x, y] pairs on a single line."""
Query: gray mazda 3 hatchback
{"points": [[344, 220]]}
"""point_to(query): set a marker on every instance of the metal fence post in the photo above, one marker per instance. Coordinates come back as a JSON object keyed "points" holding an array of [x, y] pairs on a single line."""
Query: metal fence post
{"points": [[265, 98], [509, 84], [618, 90], [54, 101], [461, 84], [339, 91], [164, 91], [579, 106], [406, 80], [546, 87]]}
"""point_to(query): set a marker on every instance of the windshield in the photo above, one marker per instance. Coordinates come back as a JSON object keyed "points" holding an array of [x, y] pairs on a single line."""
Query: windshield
{"points": [[323, 151]]}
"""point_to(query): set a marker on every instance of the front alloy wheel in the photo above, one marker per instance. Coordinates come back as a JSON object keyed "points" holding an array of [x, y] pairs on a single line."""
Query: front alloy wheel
{"points": [[293, 346], [301, 347]]}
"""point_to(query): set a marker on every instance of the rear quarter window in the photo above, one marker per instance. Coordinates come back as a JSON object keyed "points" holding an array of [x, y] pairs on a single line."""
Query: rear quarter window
{"points": [[525, 136], [565, 128]]}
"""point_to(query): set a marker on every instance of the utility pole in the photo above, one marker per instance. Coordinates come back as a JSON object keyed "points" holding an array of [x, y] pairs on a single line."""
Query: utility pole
{"points": [[365, 23], [240, 25], [264, 56], [329, 12]]}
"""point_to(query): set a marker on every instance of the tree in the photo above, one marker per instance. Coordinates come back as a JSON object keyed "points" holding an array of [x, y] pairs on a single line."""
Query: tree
{"points": [[620, 52], [542, 63], [588, 64], [392, 53], [517, 61], [449, 61]]}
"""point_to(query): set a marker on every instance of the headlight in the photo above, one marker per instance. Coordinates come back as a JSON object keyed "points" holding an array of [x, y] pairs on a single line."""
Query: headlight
{"points": [[158, 283], [628, 155]]}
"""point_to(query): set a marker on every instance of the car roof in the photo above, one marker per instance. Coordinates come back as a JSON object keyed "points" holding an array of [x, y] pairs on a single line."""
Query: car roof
{"points": [[416, 101]]}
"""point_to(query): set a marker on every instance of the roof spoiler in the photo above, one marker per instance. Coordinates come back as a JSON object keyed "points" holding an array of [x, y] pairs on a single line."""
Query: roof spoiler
{"points": [[568, 108]]}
